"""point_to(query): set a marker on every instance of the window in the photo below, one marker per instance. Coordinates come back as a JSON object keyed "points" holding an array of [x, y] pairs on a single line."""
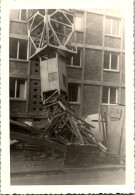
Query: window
{"points": [[74, 92], [52, 76], [110, 95], [18, 49], [74, 59], [112, 27], [18, 14], [78, 22], [111, 60], [17, 88]]}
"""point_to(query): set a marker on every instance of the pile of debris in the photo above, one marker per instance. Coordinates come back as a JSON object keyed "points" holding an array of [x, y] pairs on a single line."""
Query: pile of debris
{"points": [[67, 127]]}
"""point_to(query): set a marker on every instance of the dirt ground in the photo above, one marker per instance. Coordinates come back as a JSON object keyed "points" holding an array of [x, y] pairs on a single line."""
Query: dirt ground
{"points": [[41, 167]]}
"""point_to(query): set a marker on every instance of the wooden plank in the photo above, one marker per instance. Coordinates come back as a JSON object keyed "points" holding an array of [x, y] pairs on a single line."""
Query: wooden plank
{"points": [[74, 114], [77, 130], [37, 141]]}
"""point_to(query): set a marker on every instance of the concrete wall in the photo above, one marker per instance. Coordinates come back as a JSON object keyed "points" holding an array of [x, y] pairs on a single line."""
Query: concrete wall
{"points": [[92, 64], [111, 76], [74, 73], [18, 67], [94, 29], [112, 42], [123, 96], [123, 68], [35, 102], [19, 28], [17, 106], [34, 68], [79, 37], [91, 99]]}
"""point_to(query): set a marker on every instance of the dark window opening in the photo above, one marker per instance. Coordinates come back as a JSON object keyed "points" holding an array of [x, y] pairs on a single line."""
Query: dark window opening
{"points": [[35, 90], [12, 87], [68, 59], [18, 49], [22, 49], [13, 47], [112, 26], [76, 58], [17, 88], [114, 58], [105, 95], [106, 60], [112, 96], [73, 92], [111, 60], [36, 119], [109, 95], [23, 14], [20, 88]]}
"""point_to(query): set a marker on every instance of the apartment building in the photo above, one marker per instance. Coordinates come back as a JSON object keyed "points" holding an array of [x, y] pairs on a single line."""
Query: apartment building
{"points": [[96, 74]]}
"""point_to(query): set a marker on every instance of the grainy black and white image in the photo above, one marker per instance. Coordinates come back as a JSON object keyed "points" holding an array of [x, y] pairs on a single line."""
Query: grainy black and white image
{"points": [[67, 96]]}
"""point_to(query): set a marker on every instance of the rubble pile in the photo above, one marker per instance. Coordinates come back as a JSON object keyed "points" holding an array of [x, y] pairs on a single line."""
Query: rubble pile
{"points": [[67, 127]]}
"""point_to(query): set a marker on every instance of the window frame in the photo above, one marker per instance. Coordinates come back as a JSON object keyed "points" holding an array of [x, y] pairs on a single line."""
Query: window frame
{"points": [[117, 95], [25, 89], [72, 60], [18, 47], [111, 26], [78, 94], [82, 22], [19, 14], [110, 62]]}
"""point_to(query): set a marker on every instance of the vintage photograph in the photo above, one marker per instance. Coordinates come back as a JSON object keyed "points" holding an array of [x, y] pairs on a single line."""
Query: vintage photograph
{"points": [[67, 96]]}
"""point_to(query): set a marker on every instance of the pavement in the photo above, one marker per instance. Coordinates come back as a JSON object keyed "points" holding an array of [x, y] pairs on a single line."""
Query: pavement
{"points": [[40, 168]]}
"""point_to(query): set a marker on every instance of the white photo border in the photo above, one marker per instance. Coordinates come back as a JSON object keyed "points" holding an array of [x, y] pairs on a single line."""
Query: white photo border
{"points": [[6, 188]]}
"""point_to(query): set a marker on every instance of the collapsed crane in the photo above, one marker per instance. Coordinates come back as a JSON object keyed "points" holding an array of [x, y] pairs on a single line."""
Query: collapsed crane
{"points": [[51, 36]]}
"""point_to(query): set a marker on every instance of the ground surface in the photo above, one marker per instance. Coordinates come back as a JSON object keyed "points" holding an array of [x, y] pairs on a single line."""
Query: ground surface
{"points": [[38, 167]]}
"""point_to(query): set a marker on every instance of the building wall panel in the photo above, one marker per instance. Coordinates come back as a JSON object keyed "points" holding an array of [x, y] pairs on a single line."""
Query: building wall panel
{"points": [[92, 65], [74, 73], [76, 108], [111, 76], [17, 106], [34, 68], [18, 28], [123, 44], [123, 96], [112, 42], [35, 102], [79, 37], [94, 29], [17, 67], [123, 68], [91, 99]]}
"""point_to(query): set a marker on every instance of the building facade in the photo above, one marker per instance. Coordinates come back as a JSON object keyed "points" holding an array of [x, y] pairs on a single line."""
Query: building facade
{"points": [[96, 74]]}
